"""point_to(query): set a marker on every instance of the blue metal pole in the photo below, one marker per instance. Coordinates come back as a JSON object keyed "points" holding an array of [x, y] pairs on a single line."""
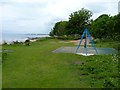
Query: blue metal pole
{"points": [[92, 42], [86, 43], [80, 41]]}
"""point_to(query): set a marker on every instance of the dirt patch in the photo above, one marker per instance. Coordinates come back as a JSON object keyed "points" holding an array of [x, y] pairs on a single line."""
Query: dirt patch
{"points": [[76, 42]]}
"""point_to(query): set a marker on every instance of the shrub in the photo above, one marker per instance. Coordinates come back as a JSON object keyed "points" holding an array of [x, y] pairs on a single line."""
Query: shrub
{"points": [[27, 42], [96, 40], [69, 37], [4, 43]]}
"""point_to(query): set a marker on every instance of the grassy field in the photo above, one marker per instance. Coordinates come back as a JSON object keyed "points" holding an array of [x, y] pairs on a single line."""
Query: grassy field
{"points": [[36, 66], [0, 68]]}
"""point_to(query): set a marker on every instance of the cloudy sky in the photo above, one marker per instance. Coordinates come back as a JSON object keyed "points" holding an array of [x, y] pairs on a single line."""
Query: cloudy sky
{"points": [[39, 16]]}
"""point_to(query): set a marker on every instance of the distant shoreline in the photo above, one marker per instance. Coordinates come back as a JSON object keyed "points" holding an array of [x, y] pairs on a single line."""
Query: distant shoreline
{"points": [[10, 38], [36, 34]]}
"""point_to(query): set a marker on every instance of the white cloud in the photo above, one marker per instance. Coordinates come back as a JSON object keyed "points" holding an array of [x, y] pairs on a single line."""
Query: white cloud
{"points": [[40, 15]]}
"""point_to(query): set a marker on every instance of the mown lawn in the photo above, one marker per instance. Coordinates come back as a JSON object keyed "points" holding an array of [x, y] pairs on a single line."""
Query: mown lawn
{"points": [[36, 66], [0, 68]]}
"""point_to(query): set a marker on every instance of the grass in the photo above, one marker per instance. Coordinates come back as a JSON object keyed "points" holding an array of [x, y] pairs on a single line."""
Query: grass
{"points": [[36, 66], [0, 68]]}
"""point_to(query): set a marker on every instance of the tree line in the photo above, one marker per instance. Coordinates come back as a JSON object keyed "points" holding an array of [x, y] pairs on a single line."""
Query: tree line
{"points": [[105, 26]]}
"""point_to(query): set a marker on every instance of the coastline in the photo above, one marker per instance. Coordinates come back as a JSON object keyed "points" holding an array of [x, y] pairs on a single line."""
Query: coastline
{"points": [[21, 38]]}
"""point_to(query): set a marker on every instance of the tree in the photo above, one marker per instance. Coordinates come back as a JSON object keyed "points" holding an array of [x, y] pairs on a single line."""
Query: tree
{"points": [[116, 31], [59, 29], [106, 26], [51, 33], [101, 26], [77, 21]]}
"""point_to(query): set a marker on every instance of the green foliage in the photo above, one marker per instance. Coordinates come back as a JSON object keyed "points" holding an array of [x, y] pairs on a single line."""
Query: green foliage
{"points": [[116, 32], [17, 42], [74, 25], [69, 37], [78, 20], [97, 40], [59, 29], [100, 27], [103, 69], [27, 42], [106, 27]]}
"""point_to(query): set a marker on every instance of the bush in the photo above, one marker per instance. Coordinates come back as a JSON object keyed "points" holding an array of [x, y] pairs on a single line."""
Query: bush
{"points": [[62, 37], [103, 68], [27, 42], [4, 43], [69, 37], [96, 40], [17, 42]]}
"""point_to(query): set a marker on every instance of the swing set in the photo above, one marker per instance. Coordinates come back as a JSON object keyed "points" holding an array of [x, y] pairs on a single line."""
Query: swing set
{"points": [[87, 36]]}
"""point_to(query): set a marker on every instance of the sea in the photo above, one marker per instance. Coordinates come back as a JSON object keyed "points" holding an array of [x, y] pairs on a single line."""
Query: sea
{"points": [[10, 37]]}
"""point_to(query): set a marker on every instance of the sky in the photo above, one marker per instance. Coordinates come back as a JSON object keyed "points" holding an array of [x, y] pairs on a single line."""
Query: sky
{"points": [[39, 16]]}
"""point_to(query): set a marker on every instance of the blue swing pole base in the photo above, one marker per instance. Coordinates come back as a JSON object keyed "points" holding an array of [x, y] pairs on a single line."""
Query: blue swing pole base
{"points": [[84, 54], [92, 43]]}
